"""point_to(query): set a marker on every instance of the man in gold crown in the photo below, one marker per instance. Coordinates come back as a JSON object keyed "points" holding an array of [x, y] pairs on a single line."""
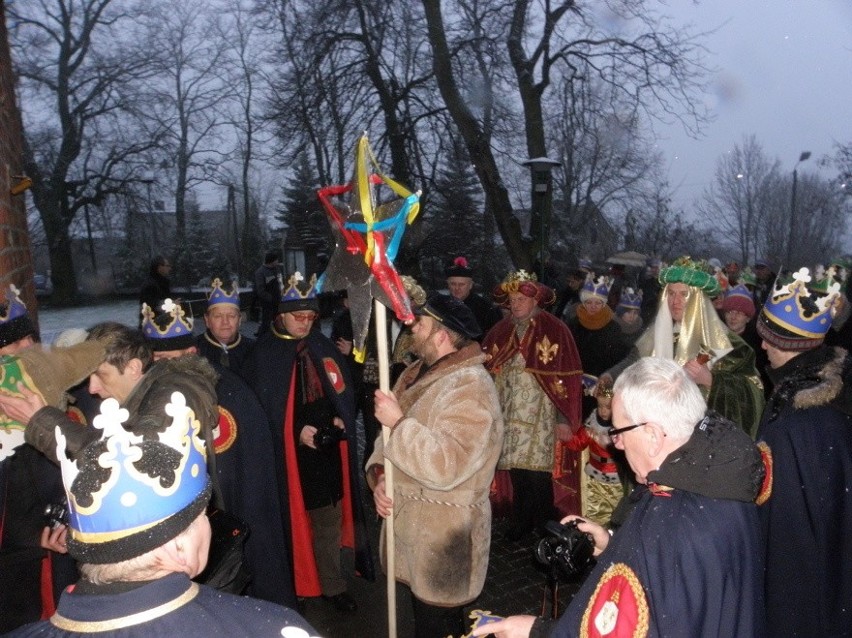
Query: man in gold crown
{"points": [[537, 370], [688, 330], [303, 385]]}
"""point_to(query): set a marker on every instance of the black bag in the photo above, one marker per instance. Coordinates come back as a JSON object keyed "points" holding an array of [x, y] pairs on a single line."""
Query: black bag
{"points": [[225, 570]]}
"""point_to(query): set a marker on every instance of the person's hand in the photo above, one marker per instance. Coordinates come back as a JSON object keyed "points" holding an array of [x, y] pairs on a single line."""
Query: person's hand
{"points": [[699, 373], [21, 408], [306, 436], [511, 627], [599, 532], [338, 423], [54, 539], [563, 432], [344, 346], [383, 503], [388, 412]]}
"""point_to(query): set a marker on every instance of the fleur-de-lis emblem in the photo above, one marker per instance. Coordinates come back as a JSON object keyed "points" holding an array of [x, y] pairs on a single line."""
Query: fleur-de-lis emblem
{"points": [[546, 350]]}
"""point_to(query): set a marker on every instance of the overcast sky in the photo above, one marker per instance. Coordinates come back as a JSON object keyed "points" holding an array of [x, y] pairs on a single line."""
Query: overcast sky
{"points": [[784, 76]]}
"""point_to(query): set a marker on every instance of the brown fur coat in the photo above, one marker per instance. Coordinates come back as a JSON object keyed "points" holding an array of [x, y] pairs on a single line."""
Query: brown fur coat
{"points": [[444, 452]]}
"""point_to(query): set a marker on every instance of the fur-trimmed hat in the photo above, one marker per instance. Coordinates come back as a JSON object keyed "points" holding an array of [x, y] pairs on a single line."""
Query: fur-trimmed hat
{"points": [[460, 268], [299, 294], [128, 495], [739, 298], [797, 315], [452, 313], [528, 285], [15, 322], [169, 330]]}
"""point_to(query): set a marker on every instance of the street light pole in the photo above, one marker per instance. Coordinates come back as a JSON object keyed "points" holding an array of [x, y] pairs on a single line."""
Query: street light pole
{"points": [[541, 168], [802, 157]]}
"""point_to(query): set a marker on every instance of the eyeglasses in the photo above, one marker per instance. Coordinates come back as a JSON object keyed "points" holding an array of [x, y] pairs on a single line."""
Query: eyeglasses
{"points": [[304, 316], [614, 432]]}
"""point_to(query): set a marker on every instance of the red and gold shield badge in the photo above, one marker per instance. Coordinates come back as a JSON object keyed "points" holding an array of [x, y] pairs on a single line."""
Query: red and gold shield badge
{"points": [[618, 608], [225, 432], [334, 375]]}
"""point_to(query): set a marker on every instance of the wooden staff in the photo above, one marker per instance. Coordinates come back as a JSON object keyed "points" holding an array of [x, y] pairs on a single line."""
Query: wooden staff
{"points": [[380, 318]]}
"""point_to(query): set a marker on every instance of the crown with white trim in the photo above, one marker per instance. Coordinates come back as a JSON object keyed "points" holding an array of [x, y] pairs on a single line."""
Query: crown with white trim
{"points": [[797, 315], [169, 330], [299, 294], [595, 288], [15, 323], [129, 494], [218, 295]]}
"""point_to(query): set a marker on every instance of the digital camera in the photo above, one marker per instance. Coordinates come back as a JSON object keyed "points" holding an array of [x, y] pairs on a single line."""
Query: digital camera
{"points": [[328, 436], [567, 550], [56, 514]]}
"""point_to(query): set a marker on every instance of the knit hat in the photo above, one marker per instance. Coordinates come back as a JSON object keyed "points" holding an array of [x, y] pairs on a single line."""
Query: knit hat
{"points": [[299, 294], [797, 315], [460, 268], [170, 330], [740, 298], [692, 273], [528, 285], [48, 373], [128, 495], [15, 322], [451, 313], [219, 295], [595, 288]]}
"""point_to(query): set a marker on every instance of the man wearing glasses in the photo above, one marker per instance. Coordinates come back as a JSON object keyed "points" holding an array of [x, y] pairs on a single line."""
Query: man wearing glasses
{"points": [[688, 560], [303, 385]]}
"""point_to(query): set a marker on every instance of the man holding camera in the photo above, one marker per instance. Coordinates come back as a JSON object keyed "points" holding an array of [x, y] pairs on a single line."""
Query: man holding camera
{"points": [[302, 383], [688, 560]]}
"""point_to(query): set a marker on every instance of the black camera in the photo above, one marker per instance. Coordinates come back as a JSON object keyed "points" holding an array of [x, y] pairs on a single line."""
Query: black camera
{"points": [[328, 436], [56, 514], [567, 551]]}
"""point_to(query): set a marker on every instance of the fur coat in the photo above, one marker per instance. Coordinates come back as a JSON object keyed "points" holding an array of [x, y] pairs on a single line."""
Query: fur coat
{"points": [[444, 451]]}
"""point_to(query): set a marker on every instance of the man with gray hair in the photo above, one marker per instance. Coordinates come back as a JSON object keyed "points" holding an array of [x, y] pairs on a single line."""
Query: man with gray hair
{"points": [[688, 559]]}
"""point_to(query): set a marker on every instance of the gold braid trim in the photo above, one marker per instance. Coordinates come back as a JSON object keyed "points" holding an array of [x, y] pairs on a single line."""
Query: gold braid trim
{"points": [[643, 614], [94, 626], [768, 463]]}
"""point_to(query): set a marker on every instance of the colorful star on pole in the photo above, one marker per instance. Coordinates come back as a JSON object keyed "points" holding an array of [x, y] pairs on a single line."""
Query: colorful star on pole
{"points": [[367, 238]]}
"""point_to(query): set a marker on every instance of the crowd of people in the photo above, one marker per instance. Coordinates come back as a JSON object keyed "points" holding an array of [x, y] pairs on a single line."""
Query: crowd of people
{"points": [[704, 447]]}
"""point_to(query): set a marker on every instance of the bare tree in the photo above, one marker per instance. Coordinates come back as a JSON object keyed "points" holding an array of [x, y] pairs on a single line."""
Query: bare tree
{"points": [[650, 68], [79, 66], [741, 198], [187, 99]]}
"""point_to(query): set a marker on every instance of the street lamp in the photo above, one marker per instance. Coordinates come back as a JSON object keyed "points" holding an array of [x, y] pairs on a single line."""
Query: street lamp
{"points": [[802, 157], [542, 182]]}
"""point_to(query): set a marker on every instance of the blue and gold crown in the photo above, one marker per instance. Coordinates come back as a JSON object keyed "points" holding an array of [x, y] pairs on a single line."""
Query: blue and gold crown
{"points": [[128, 494], [169, 330], [797, 315], [595, 287], [218, 295], [299, 294], [630, 300], [15, 323]]}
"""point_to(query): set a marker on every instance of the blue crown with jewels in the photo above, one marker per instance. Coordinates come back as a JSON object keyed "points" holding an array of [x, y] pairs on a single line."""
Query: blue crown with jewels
{"points": [[176, 323], [298, 289], [14, 307], [630, 299], [218, 295], [134, 484], [596, 287], [802, 309]]}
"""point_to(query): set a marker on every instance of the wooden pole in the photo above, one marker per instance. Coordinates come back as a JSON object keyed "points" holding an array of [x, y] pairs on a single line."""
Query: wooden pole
{"points": [[380, 318]]}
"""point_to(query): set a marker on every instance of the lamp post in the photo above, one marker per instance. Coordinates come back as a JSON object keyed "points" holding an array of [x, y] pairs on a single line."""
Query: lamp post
{"points": [[541, 168], [802, 157]]}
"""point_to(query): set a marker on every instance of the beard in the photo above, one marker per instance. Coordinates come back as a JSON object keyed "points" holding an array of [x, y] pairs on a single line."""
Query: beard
{"points": [[425, 349]]}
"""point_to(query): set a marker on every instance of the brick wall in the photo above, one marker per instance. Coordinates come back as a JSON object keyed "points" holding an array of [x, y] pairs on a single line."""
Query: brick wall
{"points": [[15, 256]]}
